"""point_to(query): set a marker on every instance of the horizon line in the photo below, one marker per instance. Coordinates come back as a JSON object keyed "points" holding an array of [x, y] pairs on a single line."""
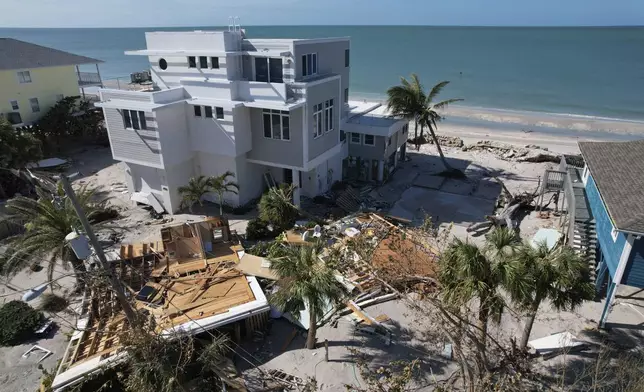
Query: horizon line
{"points": [[327, 25]]}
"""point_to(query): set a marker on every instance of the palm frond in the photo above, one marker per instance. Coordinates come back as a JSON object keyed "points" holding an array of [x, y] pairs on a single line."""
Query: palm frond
{"points": [[304, 279], [435, 91]]}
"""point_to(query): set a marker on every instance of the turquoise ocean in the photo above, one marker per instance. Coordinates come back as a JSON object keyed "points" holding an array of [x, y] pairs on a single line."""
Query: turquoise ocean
{"points": [[582, 71]]}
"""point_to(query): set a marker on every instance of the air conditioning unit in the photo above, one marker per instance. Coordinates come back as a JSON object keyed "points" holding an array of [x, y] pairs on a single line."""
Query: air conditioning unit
{"points": [[136, 77]]}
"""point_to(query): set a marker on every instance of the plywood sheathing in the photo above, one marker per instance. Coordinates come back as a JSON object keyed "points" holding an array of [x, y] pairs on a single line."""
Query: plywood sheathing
{"points": [[198, 283]]}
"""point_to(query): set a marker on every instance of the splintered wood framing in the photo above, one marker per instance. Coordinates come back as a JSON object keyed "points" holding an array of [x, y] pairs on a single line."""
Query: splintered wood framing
{"points": [[196, 281]]}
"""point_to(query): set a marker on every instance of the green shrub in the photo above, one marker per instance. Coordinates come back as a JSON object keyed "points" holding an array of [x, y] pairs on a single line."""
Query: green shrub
{"points": [[18, 321], [258, 229]]}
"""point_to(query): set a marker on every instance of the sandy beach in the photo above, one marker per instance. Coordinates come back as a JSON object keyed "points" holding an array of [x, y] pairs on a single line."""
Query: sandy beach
{"points": [[555, 131]]}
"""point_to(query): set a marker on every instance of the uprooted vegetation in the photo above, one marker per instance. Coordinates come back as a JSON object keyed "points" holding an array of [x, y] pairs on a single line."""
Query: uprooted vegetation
{"points": [[459, 289]]}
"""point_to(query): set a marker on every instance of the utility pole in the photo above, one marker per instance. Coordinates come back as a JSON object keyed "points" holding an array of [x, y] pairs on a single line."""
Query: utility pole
{"points": [[114, 281]]}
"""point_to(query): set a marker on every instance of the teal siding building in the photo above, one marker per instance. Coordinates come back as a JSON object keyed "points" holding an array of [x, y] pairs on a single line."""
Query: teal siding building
{"points": [[614, 185]]}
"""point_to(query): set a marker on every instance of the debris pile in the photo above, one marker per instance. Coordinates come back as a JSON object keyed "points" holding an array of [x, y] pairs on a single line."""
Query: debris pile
{"points": [[387, 250], [447, 141], [352, 200], [508, 152]]}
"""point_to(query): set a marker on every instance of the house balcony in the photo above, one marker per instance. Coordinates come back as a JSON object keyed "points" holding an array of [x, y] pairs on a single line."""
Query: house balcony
{"points": [[86, 79], [261, 91]]}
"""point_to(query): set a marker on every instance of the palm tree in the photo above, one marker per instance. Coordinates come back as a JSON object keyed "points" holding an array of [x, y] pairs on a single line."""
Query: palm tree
{"points": [[469, 272], [221, 185], [557, 274], [276, 207], [305, 280], [195, 191], [409, 101], [47, 223]]}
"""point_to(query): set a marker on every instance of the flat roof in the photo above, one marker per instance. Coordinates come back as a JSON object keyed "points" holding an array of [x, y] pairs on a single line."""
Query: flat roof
{"points": [[371, 118]]}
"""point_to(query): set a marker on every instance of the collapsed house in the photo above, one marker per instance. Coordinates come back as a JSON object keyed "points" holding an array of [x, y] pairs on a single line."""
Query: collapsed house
{"points": [[390, 252], [189, 283]]}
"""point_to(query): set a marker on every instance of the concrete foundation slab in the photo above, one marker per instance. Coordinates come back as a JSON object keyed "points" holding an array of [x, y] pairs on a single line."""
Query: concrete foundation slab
{"points": [[487, 189], [429, 181], [441, 206], [460, 187]]}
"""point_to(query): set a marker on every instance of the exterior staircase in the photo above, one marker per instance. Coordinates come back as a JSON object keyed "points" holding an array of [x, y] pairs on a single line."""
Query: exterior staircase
{"points": [[584, 242]]}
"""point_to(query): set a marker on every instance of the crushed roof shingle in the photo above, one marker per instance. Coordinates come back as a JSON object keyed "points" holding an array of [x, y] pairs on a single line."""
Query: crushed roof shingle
{"points": [[16, 54], [618, 171]]}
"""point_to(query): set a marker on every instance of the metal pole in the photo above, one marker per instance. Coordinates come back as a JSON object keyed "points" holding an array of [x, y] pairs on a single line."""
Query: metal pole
{"points": [[326, 350], [114, 281]]}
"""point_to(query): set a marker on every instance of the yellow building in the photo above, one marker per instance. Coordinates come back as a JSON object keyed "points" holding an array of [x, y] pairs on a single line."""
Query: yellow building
{"points": [[33, 78]]}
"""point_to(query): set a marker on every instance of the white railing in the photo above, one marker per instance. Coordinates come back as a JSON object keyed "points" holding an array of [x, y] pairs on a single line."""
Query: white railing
{"points": [[88, 78]]}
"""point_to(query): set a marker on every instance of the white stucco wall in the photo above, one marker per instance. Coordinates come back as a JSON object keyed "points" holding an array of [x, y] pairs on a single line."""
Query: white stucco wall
{"points": [[214, 165], [174, 134], [212, 135]]}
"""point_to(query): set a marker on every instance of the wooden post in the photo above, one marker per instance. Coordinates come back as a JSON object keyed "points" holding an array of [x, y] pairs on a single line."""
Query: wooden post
{"points": [[326, 350], [99, 75]]}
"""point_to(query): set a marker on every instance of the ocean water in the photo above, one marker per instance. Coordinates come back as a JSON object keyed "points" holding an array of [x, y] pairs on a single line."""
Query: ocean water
{"points": [[584, 71]]}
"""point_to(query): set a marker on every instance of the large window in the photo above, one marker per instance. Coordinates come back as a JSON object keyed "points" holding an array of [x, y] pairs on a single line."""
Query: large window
{"points": [[14, 105], [208, 110], [24, 77], [268, 70], [369, 140], [261, 69], [219, 113], [276, 124], [197, 110], [35, 106], [346, 57], [133, 119], [214, 62], [14, 118], [356, 138], [203, 62], [328, 115], [317, 120], [275, 70], [192, 62], [309, 64]]}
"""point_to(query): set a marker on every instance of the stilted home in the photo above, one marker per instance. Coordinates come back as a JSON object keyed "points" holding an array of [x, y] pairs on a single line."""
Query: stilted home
{"points": [[613, 181]]}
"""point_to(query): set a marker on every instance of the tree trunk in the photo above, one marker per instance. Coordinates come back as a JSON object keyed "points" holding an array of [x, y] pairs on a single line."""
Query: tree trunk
{"points": [[416, 134], [440, 150], [483, 316], [419, 137], [221, 203], [529, 321], [313, 326]]}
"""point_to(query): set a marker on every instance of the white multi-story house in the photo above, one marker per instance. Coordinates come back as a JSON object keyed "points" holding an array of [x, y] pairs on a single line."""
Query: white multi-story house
{"points": [[222, 102]]}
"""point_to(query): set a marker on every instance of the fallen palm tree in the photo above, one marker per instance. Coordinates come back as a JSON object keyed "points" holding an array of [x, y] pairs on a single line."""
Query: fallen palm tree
{"points": [[512, 204]]}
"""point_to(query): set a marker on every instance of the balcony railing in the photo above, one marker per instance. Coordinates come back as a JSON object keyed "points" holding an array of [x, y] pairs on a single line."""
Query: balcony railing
{"points": [[89, 79]]}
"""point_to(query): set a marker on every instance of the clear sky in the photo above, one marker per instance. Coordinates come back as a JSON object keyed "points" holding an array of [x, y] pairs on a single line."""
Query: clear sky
{"points": [[145, 13]]}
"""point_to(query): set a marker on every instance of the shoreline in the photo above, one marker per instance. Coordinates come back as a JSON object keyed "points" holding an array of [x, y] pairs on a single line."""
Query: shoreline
{"points": [[533, 121]]}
